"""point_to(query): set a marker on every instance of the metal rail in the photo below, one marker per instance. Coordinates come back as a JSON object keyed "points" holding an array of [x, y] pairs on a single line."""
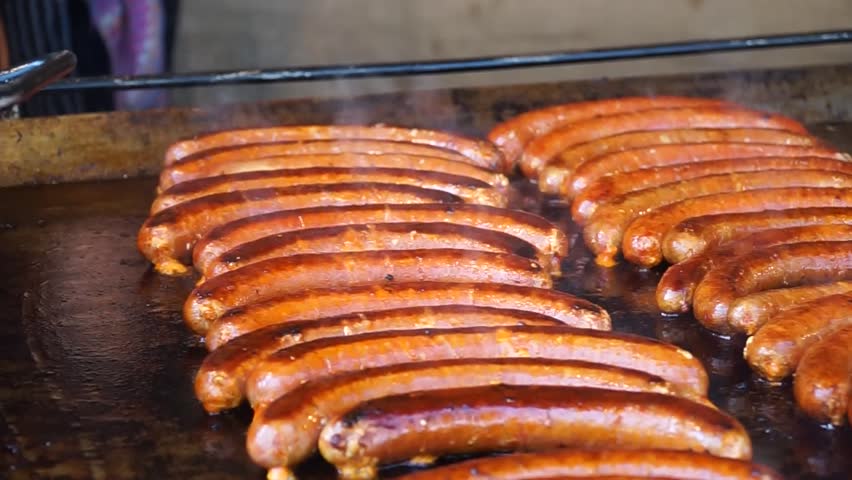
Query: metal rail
{"points": [[333, 72]]}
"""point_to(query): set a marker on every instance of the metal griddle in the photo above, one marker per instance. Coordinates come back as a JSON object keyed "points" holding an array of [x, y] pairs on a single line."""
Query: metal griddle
{"points": [[97, 366]]}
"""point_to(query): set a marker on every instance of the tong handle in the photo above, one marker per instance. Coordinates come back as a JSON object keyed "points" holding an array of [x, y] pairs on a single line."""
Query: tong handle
{"points": [[20, 83]]}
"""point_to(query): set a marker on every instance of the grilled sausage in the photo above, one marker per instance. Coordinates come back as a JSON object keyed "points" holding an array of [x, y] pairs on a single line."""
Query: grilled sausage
{"points": [[696, 235], [691, 153], [279, 276], [605, 230], [822, 384], [542, 150], [676, 286], [286, 369], [502, 417], [469, 189], [329, 302], [286, 431], [643, 238], [775, 350], [511, 136], [772, 267], [586, 463], [477, 152], [555, 176], [167, 238], [220, 381], [608, 188], [375, 236], [547, 238]]}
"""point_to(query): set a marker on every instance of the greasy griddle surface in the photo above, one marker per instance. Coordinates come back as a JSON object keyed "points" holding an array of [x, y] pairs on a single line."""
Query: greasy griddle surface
{"points": [[97, 366]]}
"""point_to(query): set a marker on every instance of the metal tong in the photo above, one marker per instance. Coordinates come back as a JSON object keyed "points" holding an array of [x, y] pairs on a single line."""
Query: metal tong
{"points": [[20, 83]]}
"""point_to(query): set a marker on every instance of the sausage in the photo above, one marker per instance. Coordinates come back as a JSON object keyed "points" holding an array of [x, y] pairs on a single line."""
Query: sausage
{"points": [[822, 383], [327, 302], [279, 276], [775, 350], [540, 151], [511, 136], [696, 235], [220, 381], [643, 238], [477, 152], [556, 174], [605, 230], [503, 417], [676, 286], [687, 153], [288, 368], [374, 236], [586, 463], [770, 268], [607, 188], [546, 237], [286, 432], [167, 238], [469, 189]]}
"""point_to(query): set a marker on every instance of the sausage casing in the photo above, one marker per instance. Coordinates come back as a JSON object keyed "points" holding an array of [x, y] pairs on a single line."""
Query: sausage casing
{"points": [[503, 417], [286, 369], [822, 384], [328, 302], [220, 381], [279, 276]]}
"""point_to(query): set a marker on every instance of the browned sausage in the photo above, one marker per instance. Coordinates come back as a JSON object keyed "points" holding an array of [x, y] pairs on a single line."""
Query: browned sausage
{"points": [[283, 275], [542, 150], [822, 384], [375, 236], [502, 417], [770, 268], [586, 463], [643, 238], [168, 237], [220, 381], [329, 302], [696, 235], [555, 176], [775, 350], [469, 189], [674, 292], [511, 136], [478, 152], [293, 366], [546, 237], [688, 153], [286, 432], [608, 188], [604, 232]]}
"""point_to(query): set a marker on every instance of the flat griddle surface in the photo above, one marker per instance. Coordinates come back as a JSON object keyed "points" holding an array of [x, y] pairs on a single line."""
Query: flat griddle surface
{"points": [[97, 366]]}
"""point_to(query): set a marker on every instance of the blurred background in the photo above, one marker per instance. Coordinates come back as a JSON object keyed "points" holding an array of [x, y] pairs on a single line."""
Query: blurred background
{"points": [[198, 35]]}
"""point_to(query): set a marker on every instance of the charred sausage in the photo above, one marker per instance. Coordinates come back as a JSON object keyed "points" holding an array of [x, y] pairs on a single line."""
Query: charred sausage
{"points": [[546, 237], [328, 302], [643, 238], [283, 275], [220, 381], [772, 267], [822, 383], [604, 232], [167, 238], [555, 176], [750, 312], [288, 368], [469, 189], [585, 463], [286, 431], [502, 417], [477, 152], [375, 236], [775, 350]]}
